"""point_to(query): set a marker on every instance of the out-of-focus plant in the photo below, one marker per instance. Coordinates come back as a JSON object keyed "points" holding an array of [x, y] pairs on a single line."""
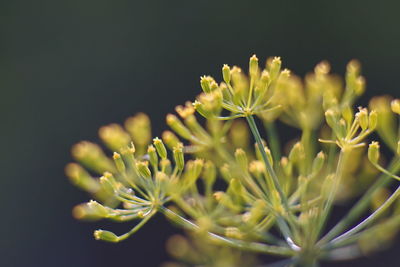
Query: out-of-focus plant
{"points": [[268, 198]]}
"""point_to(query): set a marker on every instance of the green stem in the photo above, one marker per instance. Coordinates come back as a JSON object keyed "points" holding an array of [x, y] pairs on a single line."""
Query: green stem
{"points": [[273, 140], [239, 244], [281, 223], [336, 183], [268, 165], [137, 227], [362, 204], [369, 219]]}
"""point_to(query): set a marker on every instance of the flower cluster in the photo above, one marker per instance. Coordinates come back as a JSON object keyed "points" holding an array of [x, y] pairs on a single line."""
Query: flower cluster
{"points": [[212, 181]]}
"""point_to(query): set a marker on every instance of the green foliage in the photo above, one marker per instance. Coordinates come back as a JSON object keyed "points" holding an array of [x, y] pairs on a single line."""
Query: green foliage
{"points": [[267, 191]]}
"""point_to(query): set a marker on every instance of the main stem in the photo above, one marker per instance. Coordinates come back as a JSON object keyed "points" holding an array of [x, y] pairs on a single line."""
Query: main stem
{"points": [[270, 170], [281, 222]]}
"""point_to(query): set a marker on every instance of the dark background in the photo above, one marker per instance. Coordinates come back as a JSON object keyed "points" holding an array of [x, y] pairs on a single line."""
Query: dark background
{"points": [[69, 67]]}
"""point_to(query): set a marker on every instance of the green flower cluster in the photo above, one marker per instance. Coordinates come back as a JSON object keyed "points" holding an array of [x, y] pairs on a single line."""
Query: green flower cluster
{"points": [[268, 198]]}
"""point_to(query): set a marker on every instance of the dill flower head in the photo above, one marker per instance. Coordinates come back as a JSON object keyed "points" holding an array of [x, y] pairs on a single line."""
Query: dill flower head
{"points": [[267, 197]]}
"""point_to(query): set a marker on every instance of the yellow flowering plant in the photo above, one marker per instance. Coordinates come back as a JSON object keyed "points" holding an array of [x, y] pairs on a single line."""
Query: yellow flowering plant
{"points": [[275, 198]]}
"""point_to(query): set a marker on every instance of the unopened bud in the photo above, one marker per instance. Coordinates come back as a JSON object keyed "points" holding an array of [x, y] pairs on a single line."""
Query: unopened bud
{"points": [[362, 117], [143, 169], [395, 105], [170, 139], [153, 158], [114, 136], [226, 73], [178, 157], [253, 65], [241, 159], [139, 128], [373, 120], [318, 162], [178, 126], [161, 150], [119, 163], [275, 67], [373, 152], [105, 236]]}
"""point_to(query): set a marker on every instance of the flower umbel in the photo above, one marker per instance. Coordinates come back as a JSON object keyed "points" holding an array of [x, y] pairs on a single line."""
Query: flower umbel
{"points": [[267, 197]]}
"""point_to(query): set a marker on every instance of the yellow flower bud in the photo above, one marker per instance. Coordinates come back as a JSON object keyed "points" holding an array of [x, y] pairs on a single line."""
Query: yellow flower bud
{"points": [[170, 139], [151, 151], [362, 117], [143, 169], [318, 162], [395, 105], [373, 120], [253, 66], [373, 152], [114, 136], [275, 67], [119, 162], [105, 236], [178, 126], [226, 73], [161, 150], [241, 159], [139, 128], [81, 178], [178, 157]]}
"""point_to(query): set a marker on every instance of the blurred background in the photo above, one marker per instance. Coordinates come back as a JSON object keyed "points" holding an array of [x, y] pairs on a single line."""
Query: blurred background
{"points": [[68, 67]]}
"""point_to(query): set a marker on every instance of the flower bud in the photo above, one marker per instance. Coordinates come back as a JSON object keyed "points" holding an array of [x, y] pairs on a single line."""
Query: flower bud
{"points": [[275, 67], [98, 209], [373, 120], [143, 169], [161, 150], [209, 173], [373, 152], [92, 156], [347, 114], [297, 152], [139, 128], [226, 73], [178, 157], [114, 136], [362, 117], [287, 167], [395, 105], [207, 83], [81, 178], [105, 236], [253, 66], [170, 139], [226, 172], [151, 151], [119, 162], [331, 118], [178, 126], [318, 162], [166, 167], [241, 159]]}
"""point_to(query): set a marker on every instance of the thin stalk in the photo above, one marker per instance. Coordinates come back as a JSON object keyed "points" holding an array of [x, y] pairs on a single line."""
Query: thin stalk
{"points": [[336, 183], [273, 140], [268, 165], [137, 227], [239, 244], [362, 204], [281, 223], [369, 219]]}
